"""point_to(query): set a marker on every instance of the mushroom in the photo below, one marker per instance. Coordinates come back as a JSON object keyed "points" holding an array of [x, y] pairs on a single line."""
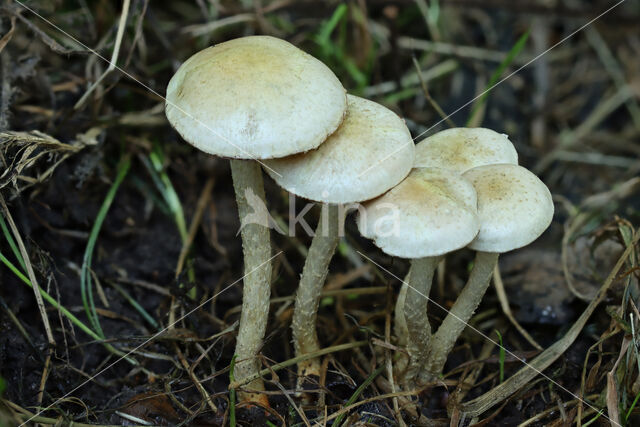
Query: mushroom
{"points": [[247, 99], [456, 149], [333, 174], [461, 149], [430, 213], [514, 208]]}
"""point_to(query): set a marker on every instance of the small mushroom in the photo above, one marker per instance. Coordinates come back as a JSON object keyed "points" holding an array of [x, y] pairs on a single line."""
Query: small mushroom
{"points": [[338, 173], [514, 208], [430, 213], [254, 98], [461, 149]]}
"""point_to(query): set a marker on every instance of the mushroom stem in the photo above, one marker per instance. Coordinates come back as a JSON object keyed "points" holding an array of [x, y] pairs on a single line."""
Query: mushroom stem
{"points": [[457, 318], [314, 272], [415, 314], [256, 246]]}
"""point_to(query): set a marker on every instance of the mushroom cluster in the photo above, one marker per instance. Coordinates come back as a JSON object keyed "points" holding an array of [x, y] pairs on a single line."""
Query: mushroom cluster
{"points": [[513, 209], [261, 101]]}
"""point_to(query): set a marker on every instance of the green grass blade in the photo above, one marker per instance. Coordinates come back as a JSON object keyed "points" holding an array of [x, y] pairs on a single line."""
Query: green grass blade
{"points": [[144, 313], [592, 420], [168, 192], [633, 405], [495, 77], [165, 187], [48, 298], [86, 288], [323, 37], [12, 243], [146, 191]]}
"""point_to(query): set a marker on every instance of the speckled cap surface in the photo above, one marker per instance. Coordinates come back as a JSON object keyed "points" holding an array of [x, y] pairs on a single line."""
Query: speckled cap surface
{"points": [[514, 207], [430, 213], [461, 149], [371, 152], [255, 97]]}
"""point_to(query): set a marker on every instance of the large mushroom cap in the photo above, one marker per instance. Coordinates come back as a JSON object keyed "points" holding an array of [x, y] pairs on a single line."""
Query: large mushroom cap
{"points": [[461, 149], [254, 97], [514, 207], [430, 213], [371, 152]]}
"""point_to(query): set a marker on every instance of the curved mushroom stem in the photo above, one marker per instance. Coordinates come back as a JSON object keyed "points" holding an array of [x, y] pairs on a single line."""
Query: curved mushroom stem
{"points": [[316, 267], [415, 314], [256, 246], [457, 318]]}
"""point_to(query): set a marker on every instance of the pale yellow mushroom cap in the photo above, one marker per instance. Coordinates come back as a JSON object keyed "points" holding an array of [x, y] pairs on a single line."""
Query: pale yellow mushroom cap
{"points": [[254, 97], [514, 207], [340, 170], [430, 213], [461, 149]]}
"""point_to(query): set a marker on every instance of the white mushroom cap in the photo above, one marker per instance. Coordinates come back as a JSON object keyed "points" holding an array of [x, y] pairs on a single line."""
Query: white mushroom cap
{"points": [[514, 207], [461, 149], [430, 213], [255, 97], [340, 170]]}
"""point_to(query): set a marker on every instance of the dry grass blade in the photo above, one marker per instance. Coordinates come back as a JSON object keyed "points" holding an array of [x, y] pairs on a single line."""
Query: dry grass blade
{"points": [[7, 37], [504, 303], [25, 149], [612, 386], [46, 39], [114, 55], [569, 138]]}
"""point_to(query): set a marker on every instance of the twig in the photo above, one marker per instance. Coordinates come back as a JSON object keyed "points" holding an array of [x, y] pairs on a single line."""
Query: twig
{"points": [[53, 45], [43, 378], [205, 195], [23, 413], [427, 95], [195, 380]]}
